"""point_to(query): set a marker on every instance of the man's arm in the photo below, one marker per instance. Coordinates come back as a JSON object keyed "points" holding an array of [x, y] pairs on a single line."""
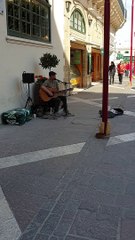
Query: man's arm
{"points": [[45, 89]]}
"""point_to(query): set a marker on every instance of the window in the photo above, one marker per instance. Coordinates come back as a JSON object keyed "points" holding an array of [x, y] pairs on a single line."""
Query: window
{"points": [[77, 22], [29, 19], [89, 67]]}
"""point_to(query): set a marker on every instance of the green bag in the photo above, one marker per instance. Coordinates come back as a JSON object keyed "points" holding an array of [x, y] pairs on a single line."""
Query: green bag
{"points": [[17, 116]]}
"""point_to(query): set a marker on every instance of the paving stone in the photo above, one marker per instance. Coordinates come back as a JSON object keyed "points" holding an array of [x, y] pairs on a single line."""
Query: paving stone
{"points": [[108, 184], [125, 201], [83, 179], [130, 172], [60, 187], [59, 208], [118, 159], [65, 196], [87, 224], [31, 230], [23, 217], [53, 238], [73, 204], [41, 216], [130, 188], [99, 197], [28, 235], [35, 224], [63, 227], [110, 214], [111, 169], [56, 238], [110, 210], [50, 224], [69, 214], [129, 213], [69, 237], [65, 223], [128, 230], [21, 200], [41, 237], [48, 203], [89, 206]]}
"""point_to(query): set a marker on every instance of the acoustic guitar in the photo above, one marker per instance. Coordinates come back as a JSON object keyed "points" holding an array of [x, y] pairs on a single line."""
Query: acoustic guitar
{"points": [[45, 97]]}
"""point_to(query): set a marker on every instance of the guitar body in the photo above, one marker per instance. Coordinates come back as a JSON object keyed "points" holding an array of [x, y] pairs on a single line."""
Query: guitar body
{"points": [[45, 97]]}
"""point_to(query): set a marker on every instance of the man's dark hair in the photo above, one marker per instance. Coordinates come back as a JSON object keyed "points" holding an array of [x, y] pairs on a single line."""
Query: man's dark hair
{"points": [[51, 73]]}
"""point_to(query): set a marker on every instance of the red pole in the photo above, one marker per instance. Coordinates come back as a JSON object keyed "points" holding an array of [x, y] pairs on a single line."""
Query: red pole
{"points": [[131, 43], [106, 63], [134, 58], [134, 63]]}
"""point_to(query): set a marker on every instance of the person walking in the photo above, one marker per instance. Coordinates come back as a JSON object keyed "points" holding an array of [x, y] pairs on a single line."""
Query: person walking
{"points": [[121, 70], [127, 69], [112, 70]]}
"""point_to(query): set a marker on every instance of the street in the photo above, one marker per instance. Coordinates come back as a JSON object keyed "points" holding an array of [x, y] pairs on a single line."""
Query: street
{"points": [[58, 182]]}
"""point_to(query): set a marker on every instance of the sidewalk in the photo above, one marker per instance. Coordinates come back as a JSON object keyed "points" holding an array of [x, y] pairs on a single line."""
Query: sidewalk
{"points": [[58, 182]]}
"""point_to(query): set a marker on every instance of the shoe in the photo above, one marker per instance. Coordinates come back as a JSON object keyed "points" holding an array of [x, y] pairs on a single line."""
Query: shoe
{"points": [[47, 113], [56, 115], [68, 114]]}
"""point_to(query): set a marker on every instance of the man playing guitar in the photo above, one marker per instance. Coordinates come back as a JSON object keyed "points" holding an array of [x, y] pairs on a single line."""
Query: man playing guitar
{"points": [[48, 92]]}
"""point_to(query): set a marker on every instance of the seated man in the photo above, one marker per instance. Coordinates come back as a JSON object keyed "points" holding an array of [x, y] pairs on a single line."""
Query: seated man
{"points": [[49, 92]]}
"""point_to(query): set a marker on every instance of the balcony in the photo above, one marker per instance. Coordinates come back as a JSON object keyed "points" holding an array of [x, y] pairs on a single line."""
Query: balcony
{"points": [[118, 13]]}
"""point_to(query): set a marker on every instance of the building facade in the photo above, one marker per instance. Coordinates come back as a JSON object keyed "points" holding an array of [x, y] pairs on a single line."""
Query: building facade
{"points": [[123, 54], [72, 30], [84, 32], [29, 28]]}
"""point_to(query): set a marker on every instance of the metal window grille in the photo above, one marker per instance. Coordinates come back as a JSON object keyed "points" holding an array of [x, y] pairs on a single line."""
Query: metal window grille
{"points": [[29, 19]]}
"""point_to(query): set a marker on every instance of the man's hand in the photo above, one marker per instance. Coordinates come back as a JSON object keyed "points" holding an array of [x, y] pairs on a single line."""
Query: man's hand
{"points": [[47, 91], [50, 94]]}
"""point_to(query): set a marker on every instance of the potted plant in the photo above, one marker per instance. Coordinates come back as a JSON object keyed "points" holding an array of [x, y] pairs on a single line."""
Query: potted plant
{"points": [[48, 61]]}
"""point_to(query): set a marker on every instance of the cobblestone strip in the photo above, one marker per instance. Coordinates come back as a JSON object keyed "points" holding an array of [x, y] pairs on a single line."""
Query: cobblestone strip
{"points": [[53, 212], [58, 222], [9, 228], [43, 215]]}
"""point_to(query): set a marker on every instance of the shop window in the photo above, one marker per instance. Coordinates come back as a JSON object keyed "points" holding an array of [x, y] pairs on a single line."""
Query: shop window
{"points": [[77, 22], [29, 19]]}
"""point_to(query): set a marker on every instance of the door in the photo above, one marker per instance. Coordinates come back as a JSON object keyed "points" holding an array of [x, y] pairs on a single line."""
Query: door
{"points": [[96, 65]]}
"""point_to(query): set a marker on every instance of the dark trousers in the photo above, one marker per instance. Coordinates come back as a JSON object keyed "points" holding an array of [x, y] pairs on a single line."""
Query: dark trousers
{"points": [[63, 99], [120, 77], [54, 103], [111, 78]]}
